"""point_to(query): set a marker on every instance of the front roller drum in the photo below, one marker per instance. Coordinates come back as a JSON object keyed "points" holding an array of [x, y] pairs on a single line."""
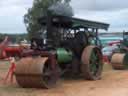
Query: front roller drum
{"points": [[36, 73], [119, 61], [92, 64]]}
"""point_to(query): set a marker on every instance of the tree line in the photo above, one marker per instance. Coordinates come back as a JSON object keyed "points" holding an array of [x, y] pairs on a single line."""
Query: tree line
{"points": [[14, 38]]}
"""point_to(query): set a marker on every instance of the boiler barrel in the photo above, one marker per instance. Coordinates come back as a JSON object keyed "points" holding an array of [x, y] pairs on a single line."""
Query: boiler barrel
{"points": [[119, 61], [64, 56]]}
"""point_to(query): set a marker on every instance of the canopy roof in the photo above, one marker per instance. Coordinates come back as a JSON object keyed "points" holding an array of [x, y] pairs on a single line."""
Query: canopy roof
{"points": [[72, 22]]}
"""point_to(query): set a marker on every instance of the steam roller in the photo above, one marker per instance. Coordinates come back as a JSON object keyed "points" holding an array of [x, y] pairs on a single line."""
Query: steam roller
{"points": [[119, 58], [42, 72], [119, 61], [67, 48]]}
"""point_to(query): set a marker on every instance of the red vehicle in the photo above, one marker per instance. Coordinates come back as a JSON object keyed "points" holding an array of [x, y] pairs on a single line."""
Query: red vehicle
{"points": [[114, 42], [11, 50]]}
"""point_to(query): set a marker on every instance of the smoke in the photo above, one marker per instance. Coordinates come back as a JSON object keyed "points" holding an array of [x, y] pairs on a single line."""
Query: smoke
{"points": [[60, 8]]}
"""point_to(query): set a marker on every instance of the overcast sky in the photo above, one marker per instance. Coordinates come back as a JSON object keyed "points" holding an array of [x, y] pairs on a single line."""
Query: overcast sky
{"points": [[114, 12]]}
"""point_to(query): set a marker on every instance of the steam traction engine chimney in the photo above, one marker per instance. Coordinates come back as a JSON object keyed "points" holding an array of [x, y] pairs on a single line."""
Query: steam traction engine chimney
{"points": [[49, 33]]}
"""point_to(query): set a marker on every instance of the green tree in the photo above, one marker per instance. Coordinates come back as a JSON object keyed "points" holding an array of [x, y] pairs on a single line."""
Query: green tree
{"points": [[39, 9]]}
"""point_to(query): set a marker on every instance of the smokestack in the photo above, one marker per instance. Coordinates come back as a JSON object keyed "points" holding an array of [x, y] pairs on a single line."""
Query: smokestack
{"points": [[60, 8]]}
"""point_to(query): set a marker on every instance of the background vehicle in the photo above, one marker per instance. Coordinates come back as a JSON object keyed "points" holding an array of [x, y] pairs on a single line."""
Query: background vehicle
{"points": [[120, 56], [108, 51]]}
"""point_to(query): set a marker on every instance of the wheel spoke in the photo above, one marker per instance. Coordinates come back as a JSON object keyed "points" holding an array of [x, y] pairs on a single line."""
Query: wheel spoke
{"points": [[94, 62], [93, 68]]}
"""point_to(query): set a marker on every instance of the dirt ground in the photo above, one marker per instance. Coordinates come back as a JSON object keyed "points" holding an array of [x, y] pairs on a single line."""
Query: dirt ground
{"points": [[113, 83]]}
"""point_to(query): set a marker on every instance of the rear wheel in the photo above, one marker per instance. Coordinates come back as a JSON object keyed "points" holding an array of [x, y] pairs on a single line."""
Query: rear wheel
{"points": [[91, 63]]}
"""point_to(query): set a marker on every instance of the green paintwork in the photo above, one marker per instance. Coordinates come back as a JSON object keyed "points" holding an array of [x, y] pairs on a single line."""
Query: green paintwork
{"points": [[89, 24], [125, 61], [94, 62], [64, 56], [125, 43]]}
